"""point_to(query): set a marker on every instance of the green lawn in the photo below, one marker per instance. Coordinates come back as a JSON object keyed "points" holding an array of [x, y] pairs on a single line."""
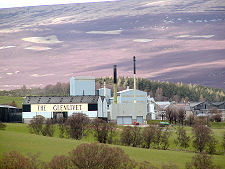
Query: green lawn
{"points": [[8, 99], [17, 137]]}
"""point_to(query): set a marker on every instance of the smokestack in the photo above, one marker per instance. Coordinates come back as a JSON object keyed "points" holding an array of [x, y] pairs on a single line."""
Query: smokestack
{"points": [[104, 88], [134, 80], [115, 84]]}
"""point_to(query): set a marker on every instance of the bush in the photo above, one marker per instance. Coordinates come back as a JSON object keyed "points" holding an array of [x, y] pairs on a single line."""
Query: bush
{"points": [[14, 160], [59, 162], [131, 136], [148, 135], [99, 156], [48, 129], [201, 161], [61, 125], [2, 126], [36, 125], [76, 124], [165, 139]]}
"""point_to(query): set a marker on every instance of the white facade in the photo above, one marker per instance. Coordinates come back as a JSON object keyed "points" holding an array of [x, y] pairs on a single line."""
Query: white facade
{"points": [[151, 107]]}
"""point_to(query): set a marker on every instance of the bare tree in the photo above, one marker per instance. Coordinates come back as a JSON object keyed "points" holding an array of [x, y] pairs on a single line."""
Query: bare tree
{"points": [[201, 137], [181, 115], [165, 138], [131, 136], [157, 138], [76, 124], [48, 129]]}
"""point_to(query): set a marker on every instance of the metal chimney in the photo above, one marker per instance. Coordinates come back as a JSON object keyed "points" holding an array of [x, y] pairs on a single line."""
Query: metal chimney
{"points": [[135, 101], [115, 84]]}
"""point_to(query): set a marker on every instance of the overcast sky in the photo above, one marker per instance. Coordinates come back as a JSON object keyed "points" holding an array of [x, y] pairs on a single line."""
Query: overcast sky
{"points": [[21, 3]]}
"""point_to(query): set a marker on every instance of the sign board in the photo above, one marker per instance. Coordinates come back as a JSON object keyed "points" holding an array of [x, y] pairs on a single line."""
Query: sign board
{"points": [[58, 107]]}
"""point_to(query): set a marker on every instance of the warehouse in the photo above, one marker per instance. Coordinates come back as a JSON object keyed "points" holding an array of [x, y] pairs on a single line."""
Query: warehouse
{"points": [[10, 114], [56, 106]]}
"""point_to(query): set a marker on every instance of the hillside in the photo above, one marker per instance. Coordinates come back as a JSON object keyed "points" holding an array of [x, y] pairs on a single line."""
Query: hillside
{"points": [[159, 90], [173, 40]]}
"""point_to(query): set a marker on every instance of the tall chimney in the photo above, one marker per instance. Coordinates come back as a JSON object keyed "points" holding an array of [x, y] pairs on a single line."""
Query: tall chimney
{"points": [[104, 88], [135, 101], [115, 84]]}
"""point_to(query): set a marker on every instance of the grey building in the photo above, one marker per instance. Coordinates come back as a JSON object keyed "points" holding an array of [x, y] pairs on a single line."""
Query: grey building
{"points": [[82, 85], [56, 106]]}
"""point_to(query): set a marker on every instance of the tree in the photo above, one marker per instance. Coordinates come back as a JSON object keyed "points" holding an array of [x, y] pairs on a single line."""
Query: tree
{"points": [[165, 139], [157, 138], [190, 120], [182, 138], [148, 135], [103, 130], [131, 136], [76, 124], [181, 115], [201, 137], [171, 114], [211, 145]]}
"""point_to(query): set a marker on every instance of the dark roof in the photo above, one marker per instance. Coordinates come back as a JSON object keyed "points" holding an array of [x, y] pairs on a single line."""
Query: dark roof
{"points": [[61, 99], [217, 103]]}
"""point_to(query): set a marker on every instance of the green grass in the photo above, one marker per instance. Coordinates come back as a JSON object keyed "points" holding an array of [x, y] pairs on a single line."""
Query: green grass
{"points": [[17, 137], [217, 125], [8, 100]]}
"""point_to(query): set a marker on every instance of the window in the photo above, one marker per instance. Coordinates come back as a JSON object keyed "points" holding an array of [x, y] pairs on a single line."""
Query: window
{"points": [[26, 108]]}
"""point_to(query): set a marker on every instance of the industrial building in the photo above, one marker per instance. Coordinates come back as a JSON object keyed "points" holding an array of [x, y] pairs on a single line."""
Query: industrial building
{"points": [[129, 105], [82, 85], [10, 114], [54, 107]]}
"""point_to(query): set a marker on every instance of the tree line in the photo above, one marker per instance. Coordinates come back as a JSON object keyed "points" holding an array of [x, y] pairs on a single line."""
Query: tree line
{"points": [[153, 136], [161, 91]]}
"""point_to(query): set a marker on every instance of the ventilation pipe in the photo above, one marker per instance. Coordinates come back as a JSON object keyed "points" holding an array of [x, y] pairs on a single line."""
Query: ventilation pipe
{"points": [[135, 101], [115, 84]]}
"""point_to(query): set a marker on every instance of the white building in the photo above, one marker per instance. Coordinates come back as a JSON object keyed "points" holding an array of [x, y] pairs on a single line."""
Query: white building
{"points": [[53, 107]]}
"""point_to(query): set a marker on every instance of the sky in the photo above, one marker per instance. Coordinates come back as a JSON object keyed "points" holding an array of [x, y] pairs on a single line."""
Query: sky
{"points": [[22, 3]]}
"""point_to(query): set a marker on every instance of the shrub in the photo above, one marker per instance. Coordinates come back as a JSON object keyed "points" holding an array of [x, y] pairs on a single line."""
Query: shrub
{"points": [[14, 160], [201, 161], [182, 138], [131, 136], [36, 125], [96, 156], [2, 126], [148, 135], [48, 129], [60, 162], [165, 139], [76, 124], [61, 125]]}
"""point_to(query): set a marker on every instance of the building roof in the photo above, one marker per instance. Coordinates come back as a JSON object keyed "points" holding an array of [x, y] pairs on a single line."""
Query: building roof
{"points": [[217, 103], [61, 100], [7, 106], [127, 90], [84, 77]]}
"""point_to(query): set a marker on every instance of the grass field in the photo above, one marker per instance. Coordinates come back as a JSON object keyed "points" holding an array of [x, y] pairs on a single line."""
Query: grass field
{"points": [[17, 137], [8, 99]]}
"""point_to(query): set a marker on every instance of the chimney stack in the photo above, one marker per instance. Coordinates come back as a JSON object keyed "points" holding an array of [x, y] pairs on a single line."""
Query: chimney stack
{"points": [[115, 84], [135, 101], [104, 88]]}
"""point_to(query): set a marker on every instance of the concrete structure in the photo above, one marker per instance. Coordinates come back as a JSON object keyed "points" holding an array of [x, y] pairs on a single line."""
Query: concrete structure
{"points": [[54, 107], [82, 85], [127, 113]]}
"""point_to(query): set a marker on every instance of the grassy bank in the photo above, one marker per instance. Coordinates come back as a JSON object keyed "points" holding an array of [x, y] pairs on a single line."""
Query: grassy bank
{"points": [[6, 100], [17, 137]]}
